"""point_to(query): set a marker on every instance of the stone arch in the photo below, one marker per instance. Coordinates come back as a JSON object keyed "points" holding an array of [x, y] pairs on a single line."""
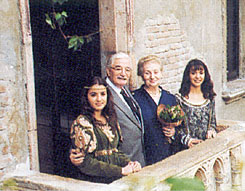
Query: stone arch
{"points": [[201, 175], [218, 169]]}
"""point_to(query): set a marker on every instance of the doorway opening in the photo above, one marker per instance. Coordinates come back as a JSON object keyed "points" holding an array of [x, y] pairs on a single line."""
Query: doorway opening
{"points": [[60, 74]]}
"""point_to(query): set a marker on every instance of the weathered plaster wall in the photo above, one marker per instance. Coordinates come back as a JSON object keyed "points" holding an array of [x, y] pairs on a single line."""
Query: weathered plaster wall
{"points": [[13, 127], [234, 111], [189, 29], [242, 34]]}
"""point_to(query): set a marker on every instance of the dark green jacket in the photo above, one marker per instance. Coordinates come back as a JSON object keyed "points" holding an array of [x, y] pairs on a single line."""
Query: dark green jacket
{"points": [[92, 140]]}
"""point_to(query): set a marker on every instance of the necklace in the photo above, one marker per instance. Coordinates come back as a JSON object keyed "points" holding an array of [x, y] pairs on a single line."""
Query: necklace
{"points": [[154, 93], [155, 96]]}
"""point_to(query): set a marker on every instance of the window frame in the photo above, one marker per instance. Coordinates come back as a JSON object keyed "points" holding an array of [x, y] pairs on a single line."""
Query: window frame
{"points": [[234, 89]]}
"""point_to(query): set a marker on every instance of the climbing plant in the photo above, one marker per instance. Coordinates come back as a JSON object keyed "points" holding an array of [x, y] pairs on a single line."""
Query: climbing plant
{"points": [[57, 19]]}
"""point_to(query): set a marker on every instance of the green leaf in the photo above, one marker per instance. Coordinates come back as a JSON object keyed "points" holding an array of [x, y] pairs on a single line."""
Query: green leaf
{"points": [[73, 42], [71, 45], [81, 40], [64, 14], [58, 16], [61, 22], [76, 42], [75, 47], [186, 184], [73, 39], [49, 21]]}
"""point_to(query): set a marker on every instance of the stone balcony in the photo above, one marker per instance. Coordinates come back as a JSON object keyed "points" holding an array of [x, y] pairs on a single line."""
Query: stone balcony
{"points": [[217, 162]]}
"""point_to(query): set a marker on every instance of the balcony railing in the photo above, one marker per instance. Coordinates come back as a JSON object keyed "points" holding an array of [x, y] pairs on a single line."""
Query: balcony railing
{"points": [[217, 162]]}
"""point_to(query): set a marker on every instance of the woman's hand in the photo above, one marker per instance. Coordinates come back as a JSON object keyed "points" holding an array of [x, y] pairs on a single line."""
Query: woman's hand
{"points": [[135, 165], [127, 170], [169, 131], [211, 134], [76, 157], [193, 142]]}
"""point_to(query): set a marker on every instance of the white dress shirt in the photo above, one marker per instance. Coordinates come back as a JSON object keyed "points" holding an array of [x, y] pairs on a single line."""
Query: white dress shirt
{"points": [[117, 90]]}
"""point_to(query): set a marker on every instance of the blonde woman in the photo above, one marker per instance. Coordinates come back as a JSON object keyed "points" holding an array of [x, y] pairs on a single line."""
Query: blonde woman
{"points": [[149, 96]]}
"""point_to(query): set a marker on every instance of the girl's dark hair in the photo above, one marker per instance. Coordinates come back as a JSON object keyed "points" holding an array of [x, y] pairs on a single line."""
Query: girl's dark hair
{"points": [[207, 86], [108, 110]]}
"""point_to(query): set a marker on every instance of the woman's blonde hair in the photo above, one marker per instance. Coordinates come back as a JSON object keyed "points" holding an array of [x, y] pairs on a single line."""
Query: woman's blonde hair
{"points": [[145, 60]]}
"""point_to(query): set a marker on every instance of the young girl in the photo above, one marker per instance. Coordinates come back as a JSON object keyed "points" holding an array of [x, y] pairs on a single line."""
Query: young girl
{"points": [[197, 101], [95, 135]]}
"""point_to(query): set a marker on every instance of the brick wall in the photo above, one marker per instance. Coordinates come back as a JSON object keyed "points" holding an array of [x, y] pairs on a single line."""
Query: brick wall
{"points": [[9, 132], [4, 143], [163, 36]]}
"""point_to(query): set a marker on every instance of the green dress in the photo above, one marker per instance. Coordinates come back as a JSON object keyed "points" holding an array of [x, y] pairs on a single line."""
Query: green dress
{"points": [[103, 160]]}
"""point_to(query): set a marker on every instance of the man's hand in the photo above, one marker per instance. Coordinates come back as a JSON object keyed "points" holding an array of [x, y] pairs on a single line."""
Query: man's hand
{"points": [[127, 170], [135, 165], [76, 157]]}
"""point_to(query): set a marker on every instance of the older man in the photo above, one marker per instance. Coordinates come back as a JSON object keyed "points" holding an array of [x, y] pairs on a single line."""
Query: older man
{"points": [[129, 115]]}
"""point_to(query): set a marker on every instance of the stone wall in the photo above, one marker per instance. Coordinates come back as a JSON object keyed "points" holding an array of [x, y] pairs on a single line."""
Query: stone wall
{"points": [[13, 125]]}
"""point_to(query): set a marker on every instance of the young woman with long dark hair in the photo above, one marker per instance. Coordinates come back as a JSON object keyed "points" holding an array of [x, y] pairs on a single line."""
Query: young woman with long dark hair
{"points": [[196, 97], [95, 136]]}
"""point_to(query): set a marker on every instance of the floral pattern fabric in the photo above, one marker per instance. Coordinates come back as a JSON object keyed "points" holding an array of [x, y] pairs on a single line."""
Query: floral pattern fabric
{"points": [[91, 139], [106, 129], [83, 138], [198, 119]]}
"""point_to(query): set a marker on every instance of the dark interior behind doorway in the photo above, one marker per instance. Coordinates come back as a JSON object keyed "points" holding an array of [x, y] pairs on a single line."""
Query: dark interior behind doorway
{"points": [[60, 74]]}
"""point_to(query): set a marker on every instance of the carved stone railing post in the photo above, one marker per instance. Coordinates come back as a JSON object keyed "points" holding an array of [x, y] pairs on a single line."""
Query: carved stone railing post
{"points": [[235, 155]]}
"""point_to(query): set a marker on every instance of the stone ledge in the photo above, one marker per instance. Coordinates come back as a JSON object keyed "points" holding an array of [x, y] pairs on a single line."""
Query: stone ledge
{"points": [[234, 91], [43, 182]]}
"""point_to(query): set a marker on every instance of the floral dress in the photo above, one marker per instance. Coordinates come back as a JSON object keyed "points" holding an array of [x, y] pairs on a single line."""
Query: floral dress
{"points": [[198, 119], [103, 160]]}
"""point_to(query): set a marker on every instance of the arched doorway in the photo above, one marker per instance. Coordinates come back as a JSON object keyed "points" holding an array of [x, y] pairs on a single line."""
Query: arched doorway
{"points": [[60, 74]]}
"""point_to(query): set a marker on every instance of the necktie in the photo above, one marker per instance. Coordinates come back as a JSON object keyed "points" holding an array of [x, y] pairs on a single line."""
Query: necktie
{"points": [[131, 104]]}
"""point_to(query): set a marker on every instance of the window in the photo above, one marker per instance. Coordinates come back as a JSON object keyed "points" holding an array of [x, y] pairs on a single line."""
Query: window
{"points": [[232, 39]]}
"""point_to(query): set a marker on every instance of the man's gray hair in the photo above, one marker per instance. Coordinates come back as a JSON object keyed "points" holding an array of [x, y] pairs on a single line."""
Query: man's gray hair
{"points": [[115, 56]]}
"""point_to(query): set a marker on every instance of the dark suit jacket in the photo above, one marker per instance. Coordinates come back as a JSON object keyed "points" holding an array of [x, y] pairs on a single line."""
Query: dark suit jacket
{"points": [[132, 130], [156, 144]]}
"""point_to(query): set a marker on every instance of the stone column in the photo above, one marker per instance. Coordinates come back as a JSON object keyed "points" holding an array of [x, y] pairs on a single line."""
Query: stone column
{"points": [[235, 155]]}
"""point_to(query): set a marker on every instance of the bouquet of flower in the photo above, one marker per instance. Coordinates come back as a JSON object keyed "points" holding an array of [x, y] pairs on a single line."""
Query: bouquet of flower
{"points": [[170, 115]]}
